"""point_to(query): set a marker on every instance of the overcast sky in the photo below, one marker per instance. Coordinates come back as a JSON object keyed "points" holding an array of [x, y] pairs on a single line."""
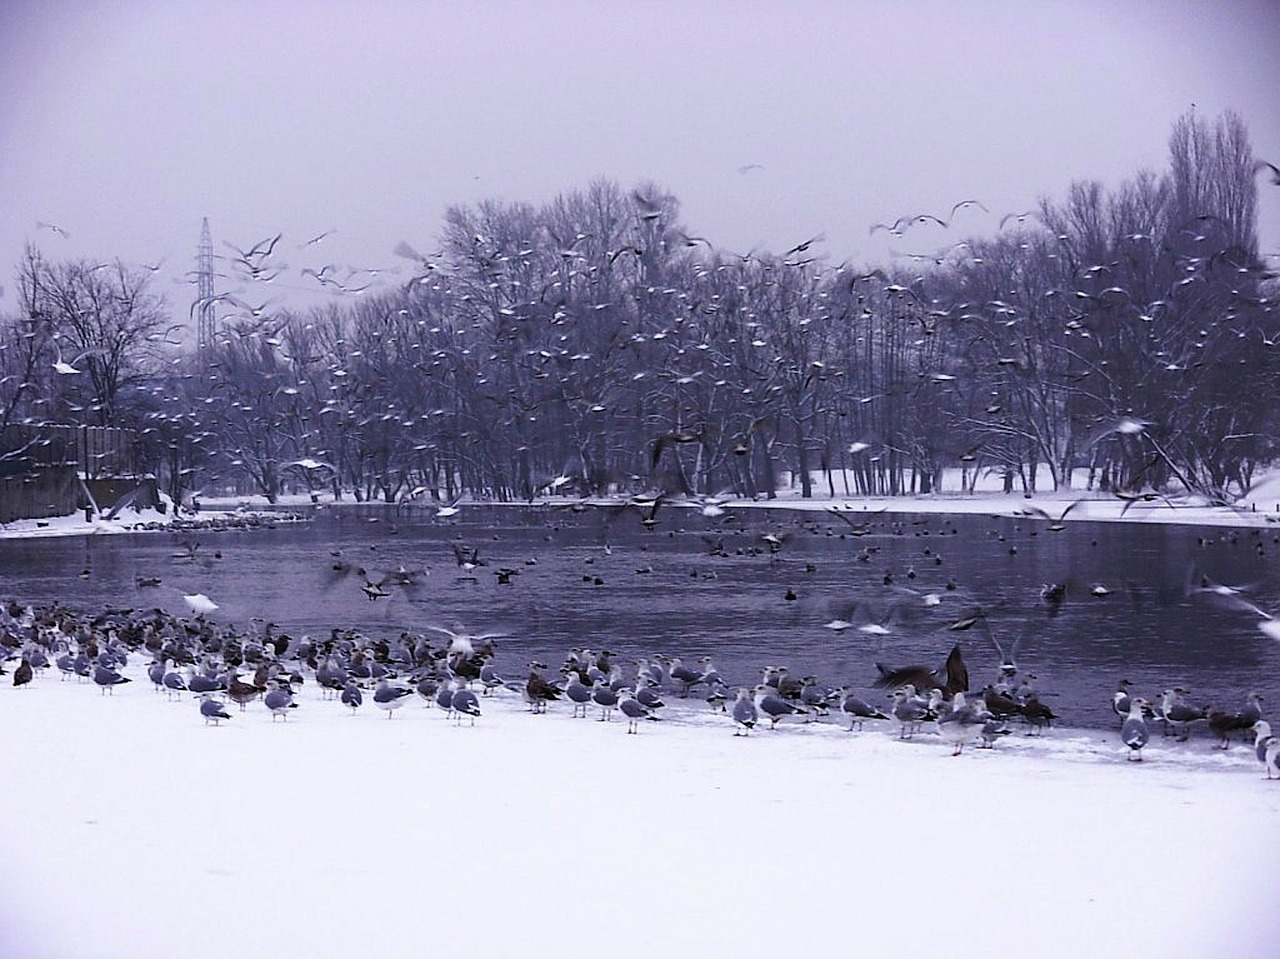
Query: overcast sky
{"points": [[125, 122]]}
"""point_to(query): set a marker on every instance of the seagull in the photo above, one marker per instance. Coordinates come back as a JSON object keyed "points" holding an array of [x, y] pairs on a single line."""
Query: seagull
{"points": [[921, 677], [634, 710], [240, 692], [450, 508], [961, 722], [1134, 732], [389, 697], [279, 699], [69, 369], [200, 604], [1257, 168], [774, 706], [685, 675], [490, 679], [108, 678], [351, 696], [464, 703], [579, 694], [604, 696], [174, 685], [1120, 699], [910, 710], [857, 709], [537, 690], [23, 674], [745, 714], [1056, 525], [212, 710], [1176, 712]]}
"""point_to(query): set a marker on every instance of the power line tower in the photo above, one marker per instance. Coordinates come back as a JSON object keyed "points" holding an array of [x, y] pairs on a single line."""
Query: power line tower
{"points": [[207, 322]]}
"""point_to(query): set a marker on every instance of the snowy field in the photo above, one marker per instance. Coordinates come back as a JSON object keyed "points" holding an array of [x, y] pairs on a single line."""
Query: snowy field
{"points": [[133, 830]]}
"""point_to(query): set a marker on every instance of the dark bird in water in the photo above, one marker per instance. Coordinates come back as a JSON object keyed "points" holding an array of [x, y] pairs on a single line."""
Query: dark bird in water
{"points": [[954, 678]]}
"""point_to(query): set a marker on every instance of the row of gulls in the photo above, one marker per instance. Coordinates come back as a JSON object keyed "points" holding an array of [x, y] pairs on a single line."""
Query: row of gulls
{"points": [[218, 665], [1177, 717]]}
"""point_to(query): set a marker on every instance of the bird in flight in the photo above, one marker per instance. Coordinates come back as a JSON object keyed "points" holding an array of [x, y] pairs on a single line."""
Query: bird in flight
{"points": [[55, 228], [1275, 170]]}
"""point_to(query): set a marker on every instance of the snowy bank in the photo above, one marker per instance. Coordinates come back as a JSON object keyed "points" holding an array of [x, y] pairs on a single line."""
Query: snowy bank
{"points": [[133, 830]]}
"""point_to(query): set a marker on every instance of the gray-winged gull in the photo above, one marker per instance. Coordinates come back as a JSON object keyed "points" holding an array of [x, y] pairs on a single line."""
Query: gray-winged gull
{"points": [[961, 722], [279, 699], [352, 697], [634, 710], [212, 710], [857, 709], [604, 696], [390, 697], [910, 710], [465, 703], [1134, 732], [770, 704], [108, 678], [745, 714], [578, 693]]}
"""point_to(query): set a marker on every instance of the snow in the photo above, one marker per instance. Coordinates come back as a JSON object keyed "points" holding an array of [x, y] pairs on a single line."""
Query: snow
{"points": [[132, 829]]}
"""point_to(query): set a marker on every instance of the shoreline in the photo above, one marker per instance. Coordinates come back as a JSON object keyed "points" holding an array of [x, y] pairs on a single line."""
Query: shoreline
{"points": [[247, 512]]}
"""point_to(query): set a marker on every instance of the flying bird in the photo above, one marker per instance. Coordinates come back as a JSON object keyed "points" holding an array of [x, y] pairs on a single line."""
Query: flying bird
{"points": [[1275, 170]]}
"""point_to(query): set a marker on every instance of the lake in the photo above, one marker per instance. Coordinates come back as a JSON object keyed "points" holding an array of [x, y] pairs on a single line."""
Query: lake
{"points": [[598, 578]]}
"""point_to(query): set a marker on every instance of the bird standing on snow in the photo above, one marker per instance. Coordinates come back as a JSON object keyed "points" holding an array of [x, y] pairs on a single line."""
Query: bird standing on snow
{"points": [[279, 699], [910, 710], [1134, 733], [579, 694], [464, 703], [212, 710], [604, 696], [745, 714], [857, 709], [961, 722], [1266, 747], [634, 710], [108, 678], [351, 696], [774, 706], [389, 697]]}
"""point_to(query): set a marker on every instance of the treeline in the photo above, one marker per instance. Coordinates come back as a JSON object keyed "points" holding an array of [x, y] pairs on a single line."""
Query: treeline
{"points": [[596, 344]]}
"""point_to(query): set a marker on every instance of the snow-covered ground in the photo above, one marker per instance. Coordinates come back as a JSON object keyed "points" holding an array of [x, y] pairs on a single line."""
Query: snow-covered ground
{"points": [[133, 830]]}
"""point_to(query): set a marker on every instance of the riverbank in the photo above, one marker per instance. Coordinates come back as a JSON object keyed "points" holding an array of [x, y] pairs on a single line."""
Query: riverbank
{"points": [[132, 829], [1259, 509]]}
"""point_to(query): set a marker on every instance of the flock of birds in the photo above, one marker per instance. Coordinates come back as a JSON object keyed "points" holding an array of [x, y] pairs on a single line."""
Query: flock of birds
{"points": [[223, 666]]}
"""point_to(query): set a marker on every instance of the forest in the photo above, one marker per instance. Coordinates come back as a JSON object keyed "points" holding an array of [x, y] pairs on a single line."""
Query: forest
{"points": [[597, 345]]}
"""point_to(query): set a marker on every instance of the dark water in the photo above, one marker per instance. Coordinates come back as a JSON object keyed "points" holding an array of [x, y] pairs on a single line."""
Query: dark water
{"points": [[662, 591]]}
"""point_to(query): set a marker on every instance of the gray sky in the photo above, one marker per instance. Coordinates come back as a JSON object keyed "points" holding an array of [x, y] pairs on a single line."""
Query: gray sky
{"points": [[125, 122]]}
